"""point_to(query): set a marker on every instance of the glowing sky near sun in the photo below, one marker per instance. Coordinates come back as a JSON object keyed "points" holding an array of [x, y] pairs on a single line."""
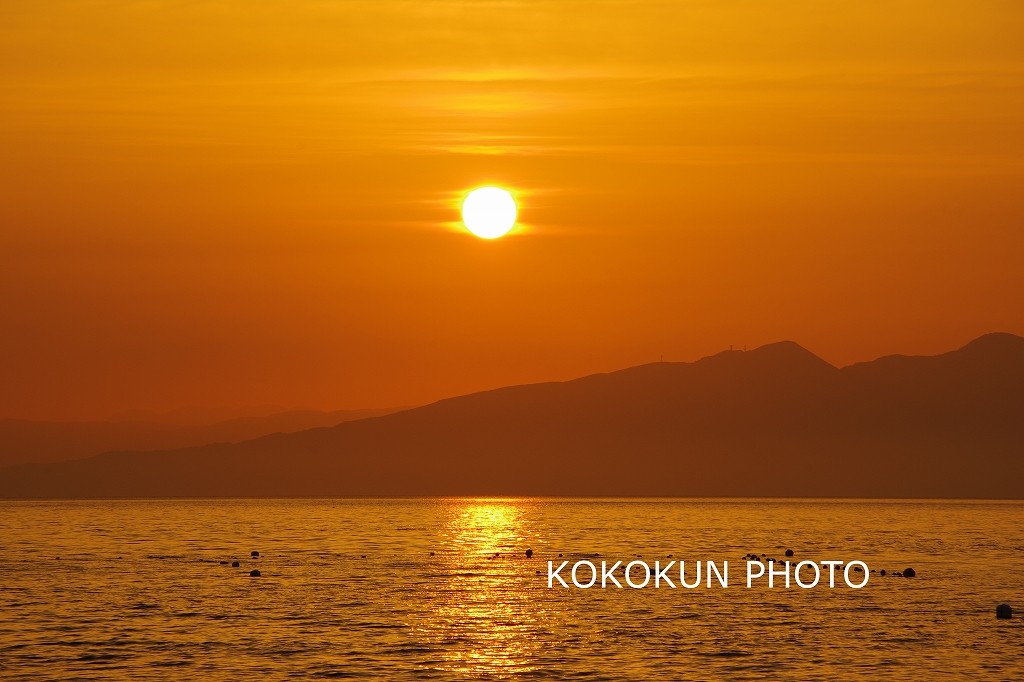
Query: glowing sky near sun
{"points": [[226, 203]]}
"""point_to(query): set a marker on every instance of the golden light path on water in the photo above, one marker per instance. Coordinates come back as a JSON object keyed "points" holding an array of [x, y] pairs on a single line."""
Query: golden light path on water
{"points": [[483, 602]]}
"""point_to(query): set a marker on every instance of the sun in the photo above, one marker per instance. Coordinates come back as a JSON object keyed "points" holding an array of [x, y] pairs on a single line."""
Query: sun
{"points": [[489, 212]]}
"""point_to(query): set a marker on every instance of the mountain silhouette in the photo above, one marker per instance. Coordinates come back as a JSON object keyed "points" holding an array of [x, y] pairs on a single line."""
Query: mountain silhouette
{"points": [[774, 421], [25, 441]]}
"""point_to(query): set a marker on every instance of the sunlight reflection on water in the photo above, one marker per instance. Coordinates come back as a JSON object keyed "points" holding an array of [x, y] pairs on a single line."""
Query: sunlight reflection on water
{"points": [[483, 609]]}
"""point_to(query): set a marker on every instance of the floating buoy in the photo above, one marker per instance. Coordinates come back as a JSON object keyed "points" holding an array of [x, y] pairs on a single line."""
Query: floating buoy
{"points": [[909, 573], [789, 552], [235, 564], [882, 572], [254, 554], [529, 553], [254, 573], [1004, 612]]}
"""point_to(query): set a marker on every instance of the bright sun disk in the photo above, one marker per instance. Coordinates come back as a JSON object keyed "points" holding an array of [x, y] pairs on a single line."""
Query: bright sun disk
{"points": [[489, 212]]}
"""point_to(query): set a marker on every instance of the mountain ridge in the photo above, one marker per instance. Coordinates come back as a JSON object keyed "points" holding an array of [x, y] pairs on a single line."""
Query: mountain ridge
{"points": [[773, 421], [34, 441]]}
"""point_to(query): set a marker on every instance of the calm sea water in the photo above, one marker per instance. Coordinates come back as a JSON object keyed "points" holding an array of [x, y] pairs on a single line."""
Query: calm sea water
{"points": [[349, 589]]}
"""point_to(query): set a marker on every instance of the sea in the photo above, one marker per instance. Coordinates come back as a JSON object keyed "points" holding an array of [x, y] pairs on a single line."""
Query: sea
{"points": [[442, 589]]}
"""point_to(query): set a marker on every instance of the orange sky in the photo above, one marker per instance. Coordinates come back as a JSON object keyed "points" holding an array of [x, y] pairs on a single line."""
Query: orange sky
{"points": [[241, 203]]}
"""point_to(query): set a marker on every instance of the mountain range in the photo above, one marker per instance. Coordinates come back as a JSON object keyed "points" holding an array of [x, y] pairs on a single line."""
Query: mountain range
{"points": [[774, 421], [24, 441]]}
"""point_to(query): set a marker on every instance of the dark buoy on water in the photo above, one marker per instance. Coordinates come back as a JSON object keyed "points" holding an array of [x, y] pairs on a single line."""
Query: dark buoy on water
{"points": [[909, 573], [882, 572], [789, 552], [254, 554], [529, 553], [254, 573], [235, 564], [1004, 612]]}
